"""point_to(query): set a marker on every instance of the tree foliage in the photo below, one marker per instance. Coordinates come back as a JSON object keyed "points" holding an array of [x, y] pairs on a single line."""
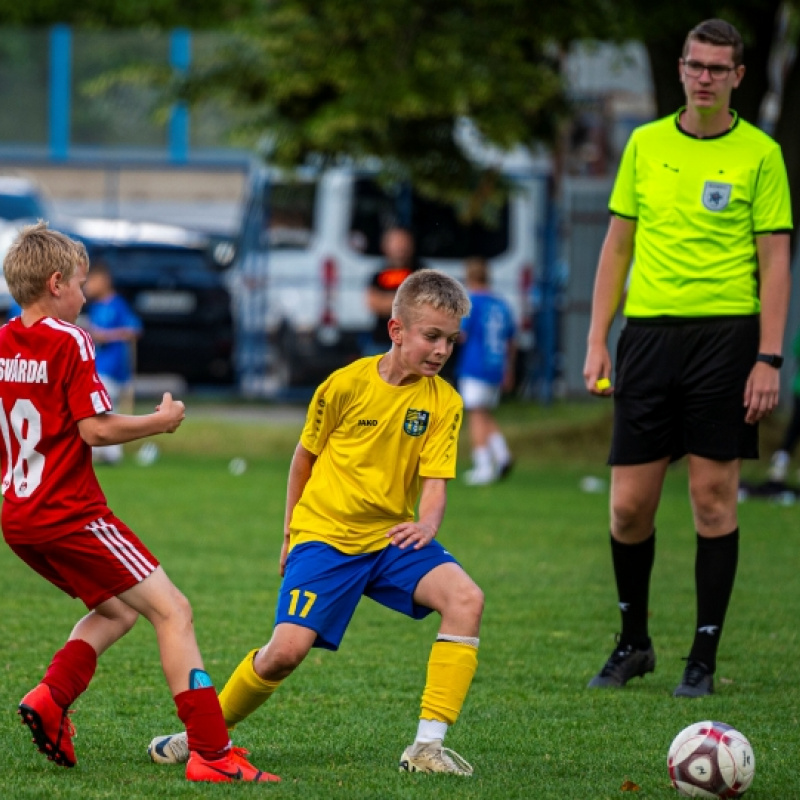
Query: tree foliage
{"points": [[391, 78], [322, 78], [125, 13]]}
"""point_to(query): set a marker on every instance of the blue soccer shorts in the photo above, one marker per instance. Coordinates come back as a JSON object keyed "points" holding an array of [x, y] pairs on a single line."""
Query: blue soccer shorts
{"points": [[321, 586]]}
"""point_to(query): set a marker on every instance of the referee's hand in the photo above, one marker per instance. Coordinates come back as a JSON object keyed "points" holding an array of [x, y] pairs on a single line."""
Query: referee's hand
{"points": [[762, 392], [596, 370]]}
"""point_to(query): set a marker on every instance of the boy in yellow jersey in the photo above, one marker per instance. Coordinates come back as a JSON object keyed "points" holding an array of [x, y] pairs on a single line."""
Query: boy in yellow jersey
{"points": [[379, 441], [701, 201]]}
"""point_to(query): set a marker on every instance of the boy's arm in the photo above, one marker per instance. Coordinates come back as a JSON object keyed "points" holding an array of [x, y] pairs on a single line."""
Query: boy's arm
{"points": [[432, 504], [105, 429], [299, 472]]}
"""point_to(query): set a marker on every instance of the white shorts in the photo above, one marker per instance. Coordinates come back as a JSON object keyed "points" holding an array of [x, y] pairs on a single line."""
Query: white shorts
{"points": [[478, 394], [115, 390]]}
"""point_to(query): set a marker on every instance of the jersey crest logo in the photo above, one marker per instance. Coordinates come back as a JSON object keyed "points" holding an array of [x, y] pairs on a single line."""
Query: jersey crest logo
{"points": [[416, 422], [716, 196]]}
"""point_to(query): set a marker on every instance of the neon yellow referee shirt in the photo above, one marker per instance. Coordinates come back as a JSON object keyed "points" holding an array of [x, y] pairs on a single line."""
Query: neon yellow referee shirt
{"points": [[699, 205]]}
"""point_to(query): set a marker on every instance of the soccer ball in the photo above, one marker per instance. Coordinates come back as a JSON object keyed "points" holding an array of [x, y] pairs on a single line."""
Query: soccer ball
{"points": [[711, 759]]}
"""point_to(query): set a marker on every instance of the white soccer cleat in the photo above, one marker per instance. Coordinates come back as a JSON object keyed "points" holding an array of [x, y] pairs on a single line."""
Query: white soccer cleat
{"points": [[779, 466], [480, 477], [170, 749], [432, 757]]}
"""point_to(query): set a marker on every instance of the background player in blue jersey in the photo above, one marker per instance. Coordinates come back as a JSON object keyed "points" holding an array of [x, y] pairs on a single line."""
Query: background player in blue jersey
{"points": [[114, 328], [484, 369]]}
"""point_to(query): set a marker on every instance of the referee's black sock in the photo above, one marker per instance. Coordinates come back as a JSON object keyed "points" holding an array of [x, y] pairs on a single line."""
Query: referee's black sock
{"points": [[714, 574], [633, 564]]}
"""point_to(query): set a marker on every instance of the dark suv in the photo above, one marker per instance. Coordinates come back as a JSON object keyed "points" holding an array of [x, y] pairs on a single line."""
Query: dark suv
{"points": [[20, 199], [172, 280]]}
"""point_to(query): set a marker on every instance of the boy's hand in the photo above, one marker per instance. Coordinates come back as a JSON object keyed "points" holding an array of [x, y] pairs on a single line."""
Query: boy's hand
{"points": [[284, 554], [173, 412], [407, 533]]}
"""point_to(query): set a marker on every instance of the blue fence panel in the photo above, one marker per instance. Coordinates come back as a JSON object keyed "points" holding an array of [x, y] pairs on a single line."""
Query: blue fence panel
{"points": [[60, 91], [180, 56]]}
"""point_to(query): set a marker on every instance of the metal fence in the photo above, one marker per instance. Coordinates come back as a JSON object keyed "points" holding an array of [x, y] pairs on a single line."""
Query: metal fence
{"points": [[584, 215], [57, 92]]}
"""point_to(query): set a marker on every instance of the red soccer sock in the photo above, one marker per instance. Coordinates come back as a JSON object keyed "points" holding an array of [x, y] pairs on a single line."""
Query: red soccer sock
{"points": [[70, 671], [200, 713]]}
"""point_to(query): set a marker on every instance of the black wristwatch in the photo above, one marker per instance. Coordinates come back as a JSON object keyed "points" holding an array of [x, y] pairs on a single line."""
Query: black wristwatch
{"points": [[771, 359]]}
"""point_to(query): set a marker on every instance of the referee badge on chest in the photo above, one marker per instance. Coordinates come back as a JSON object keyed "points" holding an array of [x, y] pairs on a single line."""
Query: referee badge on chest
{"points": [[716, 196], [416, 422]]}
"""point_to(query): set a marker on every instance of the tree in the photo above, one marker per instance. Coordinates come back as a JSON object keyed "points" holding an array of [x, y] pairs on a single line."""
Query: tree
{"points": [[391, 78], [124, 13], [322, 78]]}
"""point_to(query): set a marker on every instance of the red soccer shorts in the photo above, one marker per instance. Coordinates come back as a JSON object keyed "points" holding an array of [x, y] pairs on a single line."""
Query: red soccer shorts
{"points": [[95, 564]]}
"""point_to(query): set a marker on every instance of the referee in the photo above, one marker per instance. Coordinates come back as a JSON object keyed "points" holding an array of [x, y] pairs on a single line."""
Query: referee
{"points": [[700, 216]]}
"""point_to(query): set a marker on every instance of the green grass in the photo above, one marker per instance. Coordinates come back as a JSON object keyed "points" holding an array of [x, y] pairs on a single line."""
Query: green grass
{"points": [[536, 544]]}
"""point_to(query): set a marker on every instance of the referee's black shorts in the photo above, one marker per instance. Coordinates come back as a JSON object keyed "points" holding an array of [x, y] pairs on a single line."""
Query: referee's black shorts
{"points": [[679, 388]]}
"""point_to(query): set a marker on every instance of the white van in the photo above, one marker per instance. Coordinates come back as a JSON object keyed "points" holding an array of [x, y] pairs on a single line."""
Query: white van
{"points": [[309, 246]]}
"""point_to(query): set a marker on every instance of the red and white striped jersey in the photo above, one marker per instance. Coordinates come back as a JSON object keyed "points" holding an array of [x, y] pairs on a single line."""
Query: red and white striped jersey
{"points": [[48, 383]]}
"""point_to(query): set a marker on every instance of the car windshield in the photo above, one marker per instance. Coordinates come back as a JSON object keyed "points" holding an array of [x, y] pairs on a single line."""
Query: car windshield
{"points": [[140, 259], [437, 227], [138, 266], [13, 206], [289, 224]]}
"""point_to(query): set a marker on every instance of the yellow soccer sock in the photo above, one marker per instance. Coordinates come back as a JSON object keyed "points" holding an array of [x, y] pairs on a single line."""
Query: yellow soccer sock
{"points": [[451, 667], [244, 692]]}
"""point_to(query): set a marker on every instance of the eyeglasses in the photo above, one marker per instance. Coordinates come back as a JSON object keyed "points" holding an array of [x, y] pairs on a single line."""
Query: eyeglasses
{"points": [[695, 69]]}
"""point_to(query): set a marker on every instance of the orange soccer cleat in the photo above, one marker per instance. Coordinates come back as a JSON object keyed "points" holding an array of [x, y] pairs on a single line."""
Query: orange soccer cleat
{"points": [[50, 725], [233, 766]]}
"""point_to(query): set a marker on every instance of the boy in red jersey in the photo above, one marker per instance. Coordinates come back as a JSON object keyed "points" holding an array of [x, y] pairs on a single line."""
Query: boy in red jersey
{"points": [[53, 410]]}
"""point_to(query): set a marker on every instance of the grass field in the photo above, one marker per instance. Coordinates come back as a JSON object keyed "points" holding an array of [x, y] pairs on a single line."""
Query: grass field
{"points": [[536, 544]]}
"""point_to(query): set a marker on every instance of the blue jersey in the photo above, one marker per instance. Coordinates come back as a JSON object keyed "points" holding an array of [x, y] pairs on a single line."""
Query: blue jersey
{"points": [[488, 330], [113, 359]]}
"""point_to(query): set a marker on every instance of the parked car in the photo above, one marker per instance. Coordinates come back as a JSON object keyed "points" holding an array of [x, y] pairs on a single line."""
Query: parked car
{"points": [[171, 278], [8, 232], [20, 198], [21, 202]]}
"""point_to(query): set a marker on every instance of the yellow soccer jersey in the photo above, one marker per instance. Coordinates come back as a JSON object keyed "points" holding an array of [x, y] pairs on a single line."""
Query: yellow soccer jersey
{"points": [[699, 205], [374, 443]]}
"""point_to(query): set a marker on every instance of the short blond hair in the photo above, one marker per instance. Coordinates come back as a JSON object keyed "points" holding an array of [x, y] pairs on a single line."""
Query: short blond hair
{"points": [[37, 253], [83, 253], [430, 287]]}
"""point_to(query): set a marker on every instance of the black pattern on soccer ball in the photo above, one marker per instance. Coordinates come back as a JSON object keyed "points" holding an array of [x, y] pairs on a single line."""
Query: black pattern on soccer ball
{"points": [[711, 759]]}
